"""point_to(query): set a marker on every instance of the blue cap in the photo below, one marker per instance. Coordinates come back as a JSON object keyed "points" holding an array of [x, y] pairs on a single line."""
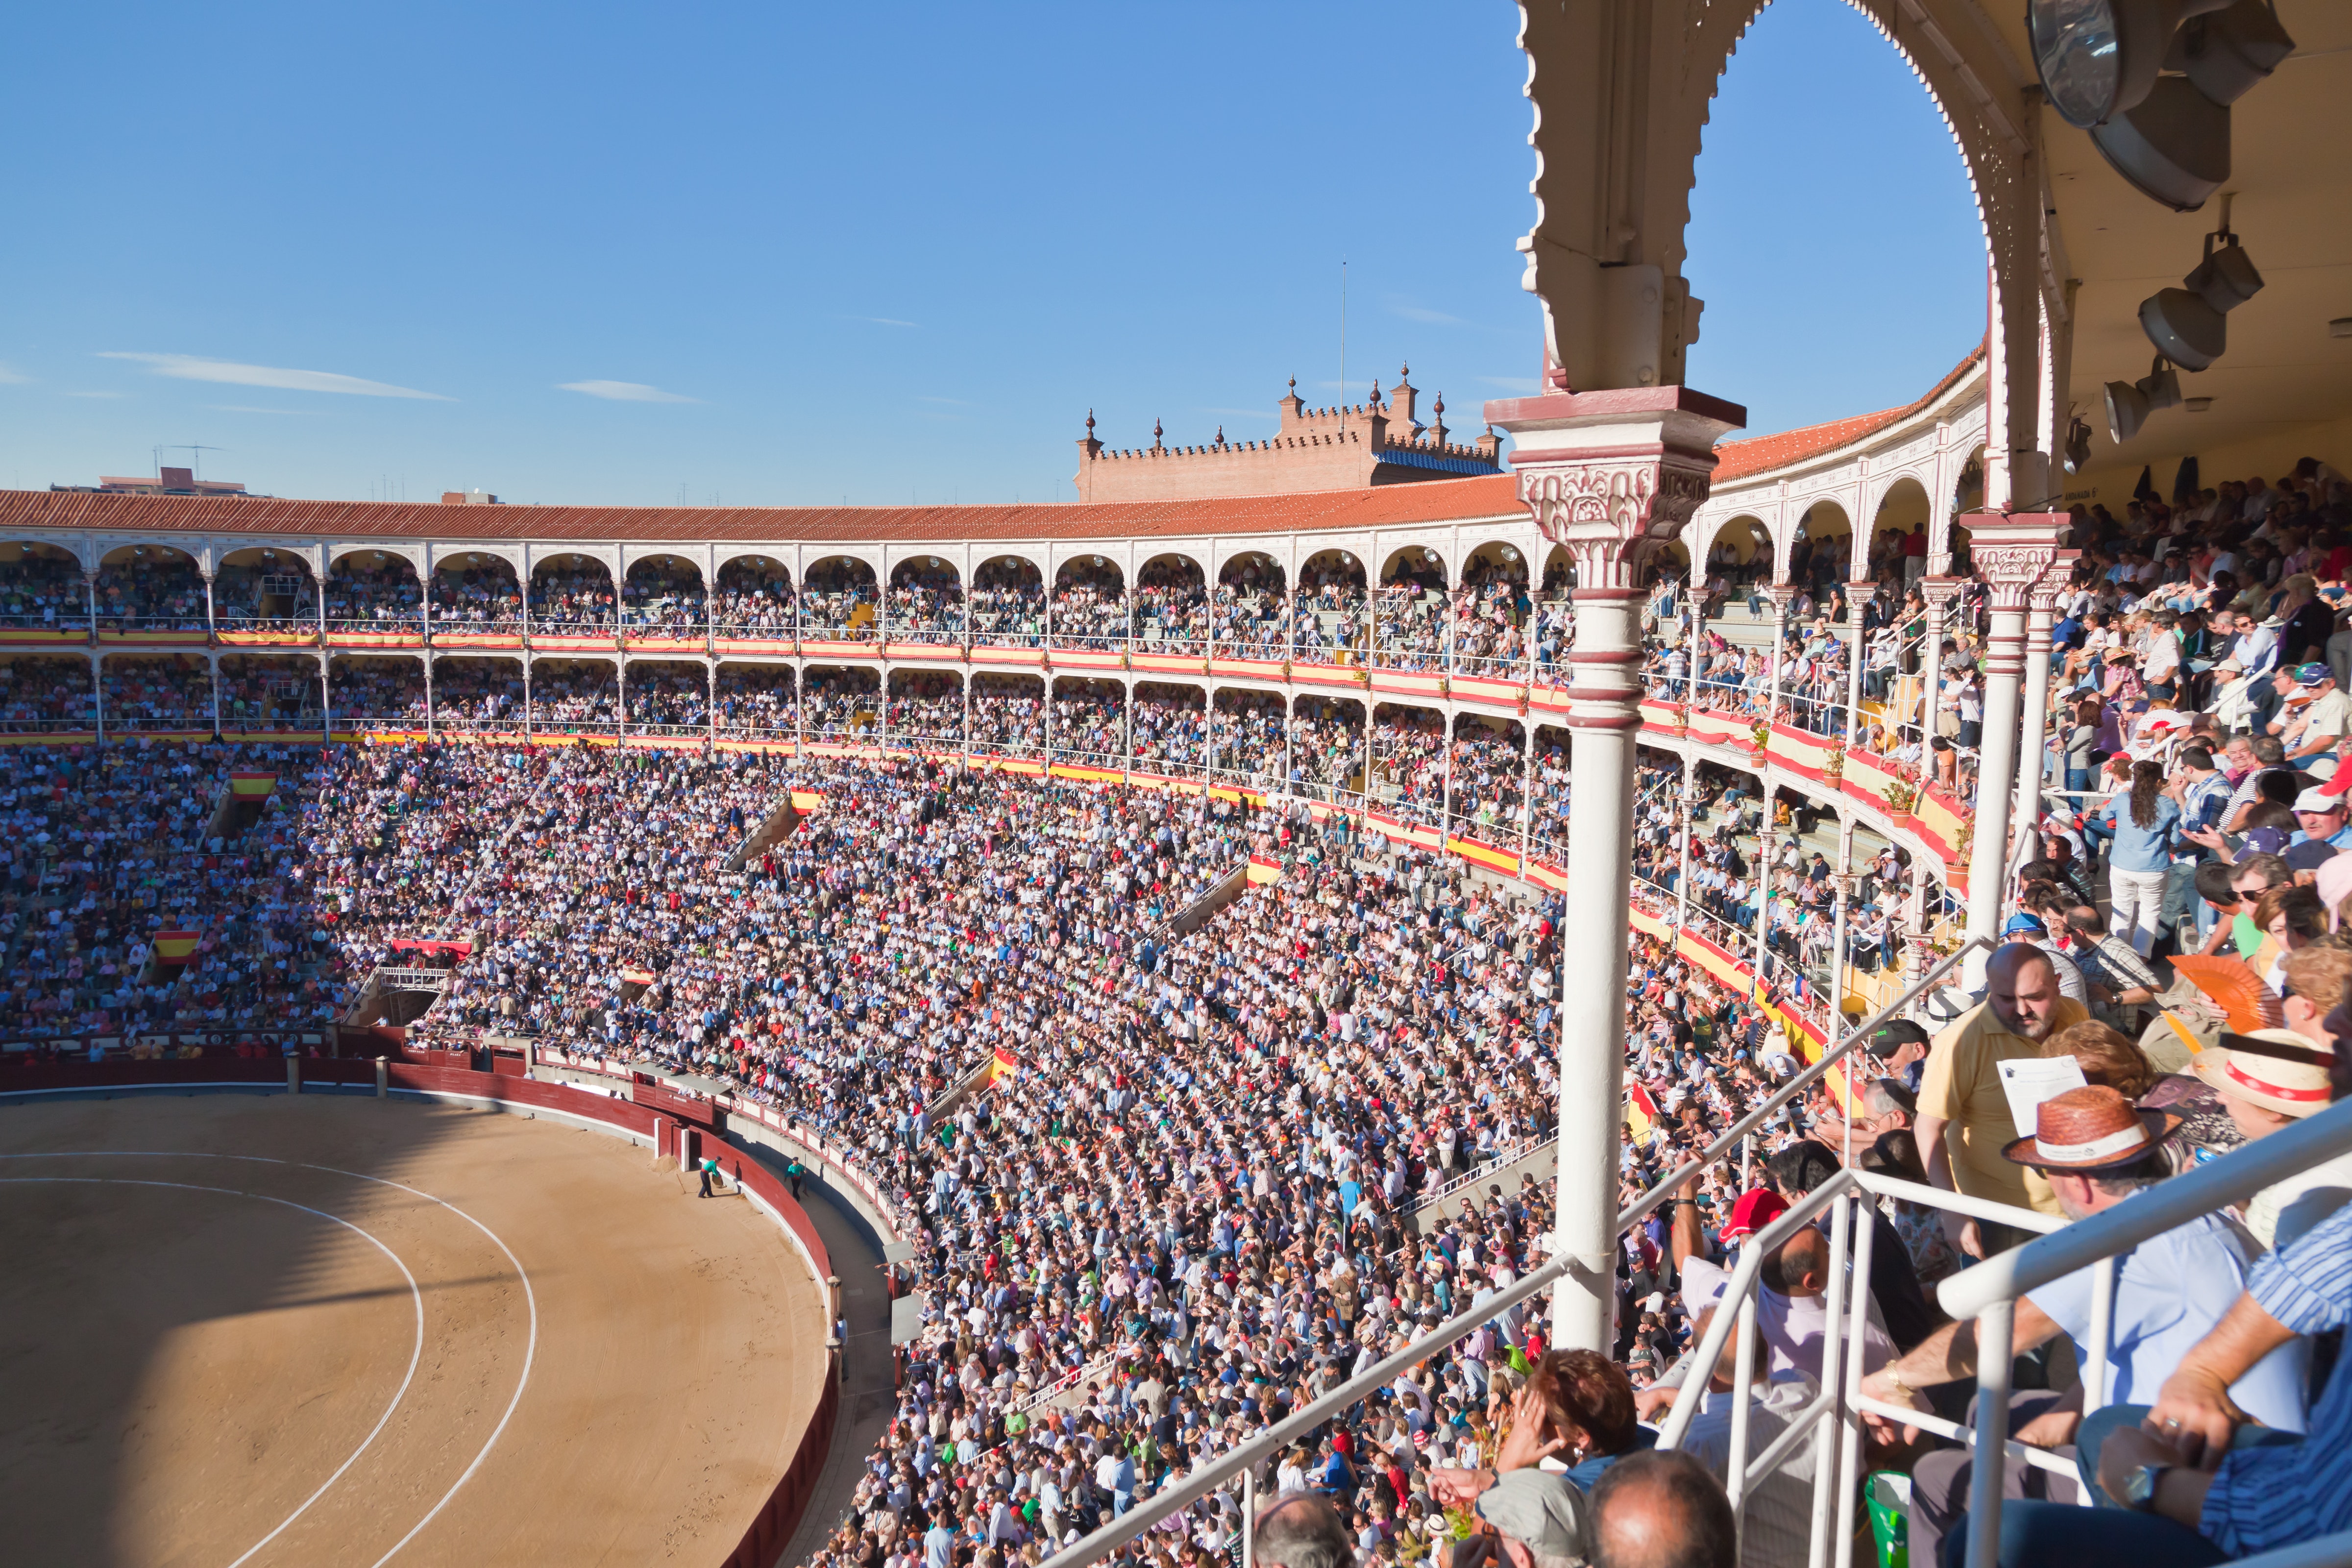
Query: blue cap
{"points": [[2019, 922], [2311, 674]]}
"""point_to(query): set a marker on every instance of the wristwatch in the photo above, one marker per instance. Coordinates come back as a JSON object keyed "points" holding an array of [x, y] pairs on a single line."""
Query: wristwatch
{"points": [[2139, 1487]]}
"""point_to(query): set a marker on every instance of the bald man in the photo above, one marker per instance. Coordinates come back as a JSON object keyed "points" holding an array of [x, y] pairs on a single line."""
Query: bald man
{"points": [[1661, 1510], [1963, 1121]]}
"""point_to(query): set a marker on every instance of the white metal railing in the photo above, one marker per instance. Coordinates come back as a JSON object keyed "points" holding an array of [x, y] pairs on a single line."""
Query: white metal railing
{"points": [[1989, 1291], [390, 977], [1240, 1460], [1848, 1199]]}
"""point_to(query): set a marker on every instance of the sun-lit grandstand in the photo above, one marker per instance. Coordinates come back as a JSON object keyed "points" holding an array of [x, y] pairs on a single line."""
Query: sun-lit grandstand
{"points": [[1362, 994]]}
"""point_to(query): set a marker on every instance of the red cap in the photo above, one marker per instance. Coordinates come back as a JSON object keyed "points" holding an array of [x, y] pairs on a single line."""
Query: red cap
{"points": [[1754, 1211]]}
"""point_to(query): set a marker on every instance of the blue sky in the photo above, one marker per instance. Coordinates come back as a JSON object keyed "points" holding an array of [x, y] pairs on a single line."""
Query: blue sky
{"points": [[792, 255]]}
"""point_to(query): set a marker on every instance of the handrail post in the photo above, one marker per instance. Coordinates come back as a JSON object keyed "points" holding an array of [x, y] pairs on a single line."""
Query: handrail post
{"points": [[1849, 1457], [1825, 1497], [2103, 1333], [1249, 1516], [1743, 1371], [1989, 1463]]}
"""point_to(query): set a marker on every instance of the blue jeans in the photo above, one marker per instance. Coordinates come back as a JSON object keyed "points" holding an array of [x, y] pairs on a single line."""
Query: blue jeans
{"points": [[2036, 1534]]}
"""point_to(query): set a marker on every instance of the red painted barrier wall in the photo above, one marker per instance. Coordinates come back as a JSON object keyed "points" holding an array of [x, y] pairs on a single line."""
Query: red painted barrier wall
{"points": [[780, 1515]]}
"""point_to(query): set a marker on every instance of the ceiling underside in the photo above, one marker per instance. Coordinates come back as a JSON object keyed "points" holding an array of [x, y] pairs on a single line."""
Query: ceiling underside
{"points": [[2291, 204]]}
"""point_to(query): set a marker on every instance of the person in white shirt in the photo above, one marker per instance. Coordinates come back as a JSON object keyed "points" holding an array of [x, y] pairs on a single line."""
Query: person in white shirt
{"points": [[1778, 1512]]}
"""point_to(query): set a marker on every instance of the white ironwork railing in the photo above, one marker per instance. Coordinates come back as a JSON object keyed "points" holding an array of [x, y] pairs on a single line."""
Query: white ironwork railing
{"points": [[1241, 1460], [389, 977], [1989, 1291]]}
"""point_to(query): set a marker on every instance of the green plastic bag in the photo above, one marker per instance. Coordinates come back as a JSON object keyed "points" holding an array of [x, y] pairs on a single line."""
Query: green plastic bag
{"points": [[1889, 1496]]}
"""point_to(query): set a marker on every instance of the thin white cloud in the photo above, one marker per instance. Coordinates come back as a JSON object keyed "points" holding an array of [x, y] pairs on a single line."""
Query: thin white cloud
{"points": [[249, 408], [188, 367], [93, 395], [1412, 313], [625, 392], [880, 321], [13, 378]]}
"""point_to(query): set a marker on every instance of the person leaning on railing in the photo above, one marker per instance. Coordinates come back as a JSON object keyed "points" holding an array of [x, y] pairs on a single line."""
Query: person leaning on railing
{"points": [[2098, 1151], [2210, 1483]]}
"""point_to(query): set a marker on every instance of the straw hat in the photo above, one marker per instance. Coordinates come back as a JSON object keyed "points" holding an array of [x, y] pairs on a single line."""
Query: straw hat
{"points": [[2091, 1129], [2277, 1069]]}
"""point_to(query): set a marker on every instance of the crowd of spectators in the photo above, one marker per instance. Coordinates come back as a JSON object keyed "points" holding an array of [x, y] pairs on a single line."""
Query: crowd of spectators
{"points": [[476, 598], [43, 592], [108, 847], [170, 691], [664, 596], [838, 602], [926, 605], [573, 600], [260, 693], [389, 691], [151, 593], [365, 594], [753, 601], [272, 595], [39, 695]]}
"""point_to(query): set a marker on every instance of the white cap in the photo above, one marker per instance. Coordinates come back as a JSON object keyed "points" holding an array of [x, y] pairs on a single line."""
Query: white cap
{"points": [[2317, 799]]}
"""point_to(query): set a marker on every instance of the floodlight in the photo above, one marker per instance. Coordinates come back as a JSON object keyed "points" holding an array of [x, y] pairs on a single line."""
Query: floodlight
{"points": [[2184, 328], [2226, 278], [2078, 444], [2229, 52], [2098, 58], [2126, 411], [2130, 402], [2173, 145], [2187, 325]]}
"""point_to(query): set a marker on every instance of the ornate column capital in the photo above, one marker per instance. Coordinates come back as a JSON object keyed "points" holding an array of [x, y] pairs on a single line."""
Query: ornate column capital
{"points": [[1938, 592], [1614, 475], [2042, 597], [2013, 552]]}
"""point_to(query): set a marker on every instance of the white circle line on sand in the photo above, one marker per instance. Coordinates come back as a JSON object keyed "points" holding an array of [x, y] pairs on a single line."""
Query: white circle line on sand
{"points": [[530, 1297], [416, 1354]]}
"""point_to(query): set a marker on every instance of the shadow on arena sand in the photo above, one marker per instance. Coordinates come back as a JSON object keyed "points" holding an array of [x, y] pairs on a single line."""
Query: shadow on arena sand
{"points": [[240, 1328]]}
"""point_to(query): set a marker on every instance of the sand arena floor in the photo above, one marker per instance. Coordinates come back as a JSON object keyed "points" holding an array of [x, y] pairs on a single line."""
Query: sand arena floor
{"points": [[538, 1346]]}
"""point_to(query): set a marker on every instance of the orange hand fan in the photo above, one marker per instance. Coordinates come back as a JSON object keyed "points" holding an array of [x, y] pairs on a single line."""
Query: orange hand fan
{"points": [[2236, 989]]}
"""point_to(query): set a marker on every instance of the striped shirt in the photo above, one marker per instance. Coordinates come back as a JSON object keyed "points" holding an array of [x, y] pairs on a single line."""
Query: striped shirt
{"points": [[2263, 1498]]}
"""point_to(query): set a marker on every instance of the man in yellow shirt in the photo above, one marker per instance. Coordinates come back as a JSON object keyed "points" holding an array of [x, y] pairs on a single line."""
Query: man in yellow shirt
{"points": [[1963, 1121]]}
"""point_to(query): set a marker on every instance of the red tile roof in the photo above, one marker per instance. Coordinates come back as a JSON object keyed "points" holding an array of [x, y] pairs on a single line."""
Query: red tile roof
{"points": [[1761, 453], [1385, 506]]}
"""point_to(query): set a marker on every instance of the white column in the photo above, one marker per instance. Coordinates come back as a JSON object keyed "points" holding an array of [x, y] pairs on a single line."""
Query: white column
{"points": [[1844, 889], [1781, 594], [1611, 512], [1938, 592], [2012, 553], [1856, 599], [2040, 609], [1681, 846]]}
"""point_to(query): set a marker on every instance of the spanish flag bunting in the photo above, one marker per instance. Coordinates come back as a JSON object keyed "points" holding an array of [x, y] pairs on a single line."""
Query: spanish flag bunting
{"points": [[252, 786], [1004, 1065], [1641, 1110], [806, 800], [176, 946], [1263, 869], [637, 976]]}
